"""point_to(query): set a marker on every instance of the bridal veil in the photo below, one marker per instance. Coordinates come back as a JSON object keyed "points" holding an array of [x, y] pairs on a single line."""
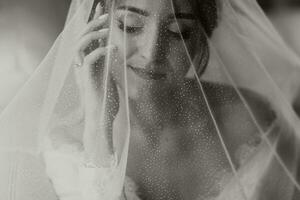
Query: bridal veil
{"points": [[232, 108]]}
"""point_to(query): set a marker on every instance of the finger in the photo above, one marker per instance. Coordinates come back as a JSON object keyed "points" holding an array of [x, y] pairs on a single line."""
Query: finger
{"points": [[89, 38], [98, 11], [78, 61], [95, 24], [85, 42], [98, 54], [93, 75]]}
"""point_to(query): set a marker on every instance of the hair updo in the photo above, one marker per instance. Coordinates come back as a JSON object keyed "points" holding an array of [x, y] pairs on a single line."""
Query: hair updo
{"points": [[207, 14]]}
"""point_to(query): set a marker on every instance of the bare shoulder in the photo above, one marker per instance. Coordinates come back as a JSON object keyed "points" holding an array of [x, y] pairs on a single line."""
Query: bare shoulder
{"points": [[241, 116], [242, 103], [229, 104], [244, 120]]}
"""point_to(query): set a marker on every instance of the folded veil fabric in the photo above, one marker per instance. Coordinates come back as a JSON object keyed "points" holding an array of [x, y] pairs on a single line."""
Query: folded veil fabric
{"points": [[214, 123]]}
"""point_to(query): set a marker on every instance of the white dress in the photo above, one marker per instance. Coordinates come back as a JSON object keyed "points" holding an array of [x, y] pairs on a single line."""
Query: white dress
{"points": [[75, 179]]}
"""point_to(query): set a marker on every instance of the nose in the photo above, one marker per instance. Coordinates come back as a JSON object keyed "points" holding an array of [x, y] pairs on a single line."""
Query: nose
{"points": [[152, 47]]}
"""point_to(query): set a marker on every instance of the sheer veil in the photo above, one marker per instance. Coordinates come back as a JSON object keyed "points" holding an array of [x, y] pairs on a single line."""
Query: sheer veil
{"points": [[215, 122]]}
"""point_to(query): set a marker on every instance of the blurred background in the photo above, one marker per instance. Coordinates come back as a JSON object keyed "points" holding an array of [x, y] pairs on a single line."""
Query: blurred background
{"points": [[28, 28], [285, 16]]}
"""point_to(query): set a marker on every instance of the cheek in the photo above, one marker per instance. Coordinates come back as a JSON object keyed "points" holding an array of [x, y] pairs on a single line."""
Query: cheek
{"points": [[180, 58], [125, 43], [117, 67], [117, 39]]}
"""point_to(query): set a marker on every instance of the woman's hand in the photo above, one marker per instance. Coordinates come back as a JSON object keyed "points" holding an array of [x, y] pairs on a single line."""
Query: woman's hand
{"points": [[99, 91], [89, 174]]}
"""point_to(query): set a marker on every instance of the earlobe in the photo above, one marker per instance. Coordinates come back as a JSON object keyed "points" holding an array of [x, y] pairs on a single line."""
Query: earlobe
{"points": [[195, 67], [201, 60]]}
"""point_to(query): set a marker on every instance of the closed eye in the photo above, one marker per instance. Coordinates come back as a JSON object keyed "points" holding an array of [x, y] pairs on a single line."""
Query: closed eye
{"points": [[184, 34], [179, 31], [129, 29]]}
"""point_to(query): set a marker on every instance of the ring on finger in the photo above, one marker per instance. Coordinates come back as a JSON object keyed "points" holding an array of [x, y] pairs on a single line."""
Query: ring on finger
{"points": [[101, 42], [77, 65]]}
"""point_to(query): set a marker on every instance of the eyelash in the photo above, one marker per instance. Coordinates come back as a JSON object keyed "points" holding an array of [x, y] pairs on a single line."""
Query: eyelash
{"points": [[133, 29], [184, 34], [129, 29]]}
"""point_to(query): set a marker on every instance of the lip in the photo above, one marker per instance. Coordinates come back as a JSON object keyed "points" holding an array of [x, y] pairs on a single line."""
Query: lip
{"points": [[148, 74]]}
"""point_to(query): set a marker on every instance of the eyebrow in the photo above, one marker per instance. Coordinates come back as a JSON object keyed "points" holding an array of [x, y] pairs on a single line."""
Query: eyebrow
{"points": [[145, 13], [135, 10]]}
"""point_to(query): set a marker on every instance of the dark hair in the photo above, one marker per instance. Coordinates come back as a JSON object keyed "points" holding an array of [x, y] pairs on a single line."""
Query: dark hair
{"points": [[267, 5], [207, 14]]}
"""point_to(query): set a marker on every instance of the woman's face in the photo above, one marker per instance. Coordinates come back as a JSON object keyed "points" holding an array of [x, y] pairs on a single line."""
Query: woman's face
{"points": [[158, 44]]}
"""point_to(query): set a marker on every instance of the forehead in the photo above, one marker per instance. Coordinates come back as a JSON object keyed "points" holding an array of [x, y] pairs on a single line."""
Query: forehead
{"points": [[158, 6]]}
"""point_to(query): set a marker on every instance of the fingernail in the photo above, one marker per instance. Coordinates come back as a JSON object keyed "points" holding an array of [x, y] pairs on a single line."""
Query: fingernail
{"points": [[101, 8], [78, 62], [104, 30], [98, 7], [103, 16], [101, 42]]}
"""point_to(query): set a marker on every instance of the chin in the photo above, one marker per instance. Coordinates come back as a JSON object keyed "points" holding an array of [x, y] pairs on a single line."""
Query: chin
{"points": [[134, 89], [133, 92]]}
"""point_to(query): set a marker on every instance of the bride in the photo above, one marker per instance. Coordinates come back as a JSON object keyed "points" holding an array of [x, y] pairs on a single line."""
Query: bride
{"points": [[176, 150], [134, 117]]}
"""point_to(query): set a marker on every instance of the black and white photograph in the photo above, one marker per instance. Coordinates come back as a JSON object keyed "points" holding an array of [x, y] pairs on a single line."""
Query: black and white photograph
{"points": [[149, 100]]}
